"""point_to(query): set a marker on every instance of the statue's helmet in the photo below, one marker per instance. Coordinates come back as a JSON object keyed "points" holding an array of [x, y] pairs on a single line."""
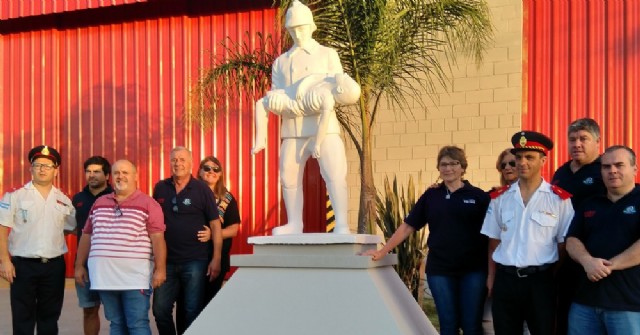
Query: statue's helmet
{"points": [[298, 15]]}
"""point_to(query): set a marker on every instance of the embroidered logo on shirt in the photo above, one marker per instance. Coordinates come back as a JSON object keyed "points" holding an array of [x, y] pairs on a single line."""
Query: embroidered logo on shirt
{"points": [[589, 214], [79, 205], [4, 205], [588, 181], [61, 203], [469, 201], [186, 202], [629, 210]]}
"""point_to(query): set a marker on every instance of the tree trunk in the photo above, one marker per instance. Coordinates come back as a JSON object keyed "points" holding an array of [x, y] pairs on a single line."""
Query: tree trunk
{"points": [[367, 212]]}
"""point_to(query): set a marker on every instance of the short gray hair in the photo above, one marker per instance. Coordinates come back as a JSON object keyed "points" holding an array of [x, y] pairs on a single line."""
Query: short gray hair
{"points": [[587, 124], [180, 148]]}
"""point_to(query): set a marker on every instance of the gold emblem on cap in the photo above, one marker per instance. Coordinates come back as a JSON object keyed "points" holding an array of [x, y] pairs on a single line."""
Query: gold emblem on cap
{"points": [[523, 141], [45, 151]]}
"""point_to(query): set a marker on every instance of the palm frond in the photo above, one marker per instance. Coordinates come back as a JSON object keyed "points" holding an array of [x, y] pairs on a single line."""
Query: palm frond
{"points": [[242, 70]]}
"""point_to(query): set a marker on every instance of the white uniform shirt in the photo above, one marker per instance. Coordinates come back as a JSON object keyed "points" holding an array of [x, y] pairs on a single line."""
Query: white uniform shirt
{"points": [[294, 65], [528, 235], [37, 224]]}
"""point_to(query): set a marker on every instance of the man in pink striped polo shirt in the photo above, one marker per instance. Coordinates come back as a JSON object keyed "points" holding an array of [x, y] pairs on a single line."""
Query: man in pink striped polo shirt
{"points": [[123, 240]]}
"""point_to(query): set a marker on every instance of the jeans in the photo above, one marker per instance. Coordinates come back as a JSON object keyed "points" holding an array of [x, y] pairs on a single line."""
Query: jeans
{"points": [[593, 320], [459, 301], [127, 311], [188, 277]]}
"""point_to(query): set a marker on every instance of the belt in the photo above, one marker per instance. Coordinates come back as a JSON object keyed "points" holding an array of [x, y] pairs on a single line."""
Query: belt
{"points": [[524, 272], [38, 259]]}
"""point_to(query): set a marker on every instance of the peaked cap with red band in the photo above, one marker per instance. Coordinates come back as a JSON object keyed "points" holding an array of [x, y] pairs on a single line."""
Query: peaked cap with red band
{"points": [[43, 151], [531, 141]]}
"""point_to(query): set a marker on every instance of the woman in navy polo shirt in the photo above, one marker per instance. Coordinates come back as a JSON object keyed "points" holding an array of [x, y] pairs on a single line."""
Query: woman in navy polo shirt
{"points": [[457, 259]]}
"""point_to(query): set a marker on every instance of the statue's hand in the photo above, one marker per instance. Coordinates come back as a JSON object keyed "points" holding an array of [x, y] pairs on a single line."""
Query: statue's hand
{"points": [[316, 151], [277, 103], [257, 148]]}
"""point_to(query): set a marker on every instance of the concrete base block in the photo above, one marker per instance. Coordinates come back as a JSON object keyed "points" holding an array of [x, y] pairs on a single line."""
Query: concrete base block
{"points": [[313, 284]]}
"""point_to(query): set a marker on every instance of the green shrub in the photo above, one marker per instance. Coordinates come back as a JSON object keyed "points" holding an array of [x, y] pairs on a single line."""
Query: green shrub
{"points": [[392, 208]]}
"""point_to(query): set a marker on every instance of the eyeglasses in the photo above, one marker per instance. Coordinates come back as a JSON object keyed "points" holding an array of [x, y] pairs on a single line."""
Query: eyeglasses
{"points": [[444, 165], [503, 165], [209, 168], [174, 201], [117, 211], [46, 167]]}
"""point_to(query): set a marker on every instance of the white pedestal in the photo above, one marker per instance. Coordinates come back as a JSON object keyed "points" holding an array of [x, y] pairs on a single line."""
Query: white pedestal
{"points": [[313, 284]]}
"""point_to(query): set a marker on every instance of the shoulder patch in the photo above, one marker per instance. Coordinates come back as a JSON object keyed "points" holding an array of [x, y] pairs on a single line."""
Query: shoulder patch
{"points": [[498, 192], [564, 195]]}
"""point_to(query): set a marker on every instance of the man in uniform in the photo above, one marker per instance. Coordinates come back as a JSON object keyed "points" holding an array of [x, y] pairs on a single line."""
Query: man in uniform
{"points": [[605, 239], [126, 253], [96, 173], [581, 177], [526, 223], [188, 205], [38, 215], [300, 129]]}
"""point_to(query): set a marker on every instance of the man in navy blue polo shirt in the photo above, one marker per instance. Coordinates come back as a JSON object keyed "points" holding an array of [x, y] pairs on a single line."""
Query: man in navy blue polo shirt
{"points": [[96, 172], [581, 177], [188, 205], [604, 238]]}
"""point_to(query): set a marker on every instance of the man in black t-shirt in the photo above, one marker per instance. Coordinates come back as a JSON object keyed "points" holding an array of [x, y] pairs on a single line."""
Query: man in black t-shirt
{"points": [[604, 238], [96, 173], [188, 205], [581, 177]]}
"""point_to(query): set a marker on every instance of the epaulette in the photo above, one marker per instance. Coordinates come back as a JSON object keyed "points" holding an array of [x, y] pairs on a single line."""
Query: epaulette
{"points": [[564, 195], [498, 192]]}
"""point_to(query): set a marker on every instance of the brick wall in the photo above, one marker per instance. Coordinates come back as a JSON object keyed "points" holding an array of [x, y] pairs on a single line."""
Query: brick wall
{"points": [[479, 111]]}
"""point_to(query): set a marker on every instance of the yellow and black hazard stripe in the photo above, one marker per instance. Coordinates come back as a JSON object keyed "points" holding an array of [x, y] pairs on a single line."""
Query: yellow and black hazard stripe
{"points": [[331, 219]]}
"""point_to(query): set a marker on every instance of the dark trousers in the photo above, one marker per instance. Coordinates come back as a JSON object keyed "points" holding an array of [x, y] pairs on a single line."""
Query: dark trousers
{"points": [[211, 289], [37, 294], [531, 299]]}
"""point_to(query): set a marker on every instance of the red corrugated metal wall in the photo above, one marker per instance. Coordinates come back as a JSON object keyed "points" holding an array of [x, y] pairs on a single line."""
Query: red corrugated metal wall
{"points": [[10, 9], [114, 82], [581, 59]]}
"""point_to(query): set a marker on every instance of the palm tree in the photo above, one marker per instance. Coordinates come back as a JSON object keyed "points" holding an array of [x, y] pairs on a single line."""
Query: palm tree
{"points": [[396, 49]]}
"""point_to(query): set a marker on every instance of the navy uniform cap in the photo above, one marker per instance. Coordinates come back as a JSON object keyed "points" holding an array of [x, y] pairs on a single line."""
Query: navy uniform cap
{"points": [[530, 140], [43, 151]]}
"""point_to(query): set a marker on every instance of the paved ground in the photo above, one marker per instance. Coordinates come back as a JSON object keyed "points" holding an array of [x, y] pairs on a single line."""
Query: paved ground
{"points": [[71, 319]]}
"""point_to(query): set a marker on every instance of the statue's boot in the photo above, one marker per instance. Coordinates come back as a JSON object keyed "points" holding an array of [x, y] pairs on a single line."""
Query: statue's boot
{"points": [[293, 201], [340, 203]]}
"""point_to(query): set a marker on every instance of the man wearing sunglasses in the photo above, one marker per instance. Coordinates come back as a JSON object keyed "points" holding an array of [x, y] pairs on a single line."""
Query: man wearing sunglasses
{"points": [[188, 205], [38, 215], [581, 177], [123, 246]]}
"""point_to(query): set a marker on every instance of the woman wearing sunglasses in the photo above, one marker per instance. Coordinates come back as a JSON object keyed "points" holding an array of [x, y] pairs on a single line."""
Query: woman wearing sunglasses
{"points": [[210, 172], [506, 165]]}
